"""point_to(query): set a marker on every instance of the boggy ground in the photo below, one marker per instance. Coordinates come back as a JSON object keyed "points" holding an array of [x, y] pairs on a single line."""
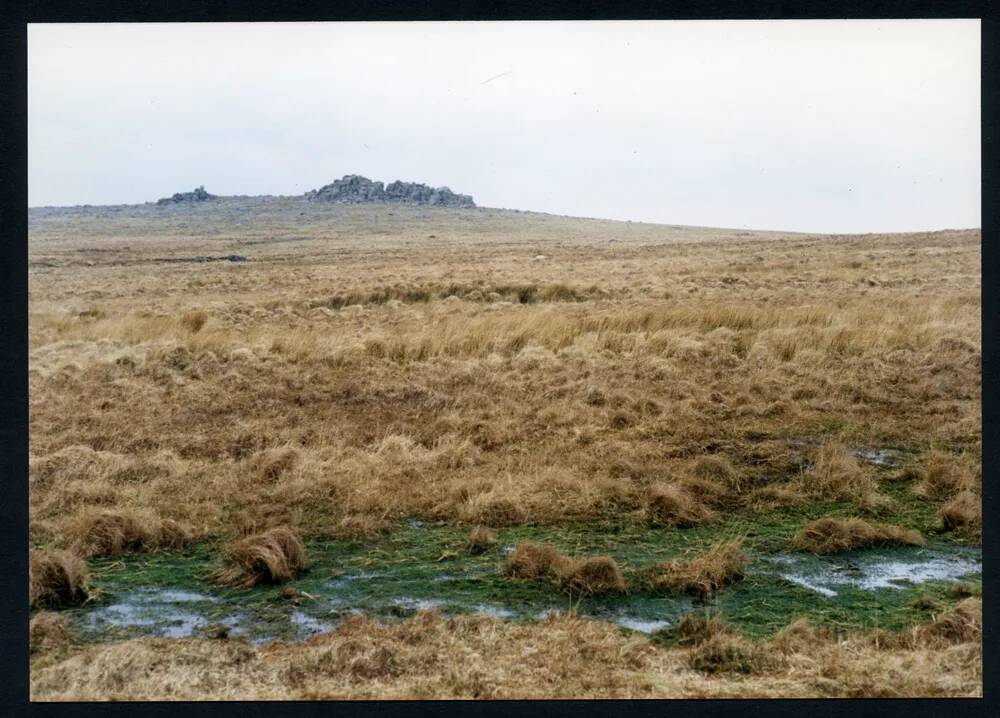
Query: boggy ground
{"points": [[368, 365]]}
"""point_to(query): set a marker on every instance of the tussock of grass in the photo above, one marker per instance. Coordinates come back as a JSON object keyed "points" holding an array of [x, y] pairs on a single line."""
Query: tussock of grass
{"points": [[725, 653], [108, 533], [963, 512], [693, 628], [597, 575], [481, 539], [258, 518], [832, 535], [965, 590], [57, 579], [361, 526], [275, 556], [48, 631], [708, 491], [717, 468], [962, 624], [777, 496], [673, 505], [271, 464], [723, 563], [800, 636], [194, 320], [492, 510], [837, 475], [943, 476], [533, 561], [876, 504]]}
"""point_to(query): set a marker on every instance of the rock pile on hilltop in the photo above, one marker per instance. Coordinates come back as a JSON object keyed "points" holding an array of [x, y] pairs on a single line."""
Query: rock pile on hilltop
{"points": [[198, 195], [352, 189]]}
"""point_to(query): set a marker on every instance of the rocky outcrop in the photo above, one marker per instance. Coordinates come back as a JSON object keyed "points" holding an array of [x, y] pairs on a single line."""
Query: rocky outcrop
{"points": [[353, 189], [198, 195]]}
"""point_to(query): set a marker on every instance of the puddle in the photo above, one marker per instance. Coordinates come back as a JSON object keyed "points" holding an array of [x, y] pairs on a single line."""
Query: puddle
{"points": [[879, 457], [495, 611], [641, 625], [873, 571], [149, 613], [309, 625], [177, 596], [418, 604]]}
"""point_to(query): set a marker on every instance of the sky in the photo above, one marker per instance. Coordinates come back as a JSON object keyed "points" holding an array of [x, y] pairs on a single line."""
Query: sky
{"points": [[822, 126]]}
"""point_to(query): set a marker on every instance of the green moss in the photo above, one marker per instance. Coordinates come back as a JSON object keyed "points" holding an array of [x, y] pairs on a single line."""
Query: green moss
{"points": [[417, 566]]}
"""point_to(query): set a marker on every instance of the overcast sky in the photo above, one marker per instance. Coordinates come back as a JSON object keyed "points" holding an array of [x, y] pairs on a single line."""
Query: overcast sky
{"points": [[834, 126]]}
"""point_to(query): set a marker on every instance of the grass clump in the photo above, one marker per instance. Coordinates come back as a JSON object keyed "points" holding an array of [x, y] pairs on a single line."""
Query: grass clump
{"points": [[965, 590], [672, 505], [963, 512], [962, 624], [533, 561], [722, 564], [943, 476], [361, 526], [800, 636], [492, 510], [193, 321], [48, 631], [271, 464], [717, 468], [693, 629], [57, 579], [837, 475], [777, 496], [481, 539], [726, 653], [108, 533], [831, 535], [593, 576], [274, 556]]}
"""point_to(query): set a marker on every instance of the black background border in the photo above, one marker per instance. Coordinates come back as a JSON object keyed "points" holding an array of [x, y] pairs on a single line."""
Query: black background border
{"points": [[13, 338]]}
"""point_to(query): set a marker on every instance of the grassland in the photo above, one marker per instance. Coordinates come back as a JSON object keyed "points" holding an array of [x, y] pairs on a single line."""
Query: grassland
{"points": [[372, 365]]}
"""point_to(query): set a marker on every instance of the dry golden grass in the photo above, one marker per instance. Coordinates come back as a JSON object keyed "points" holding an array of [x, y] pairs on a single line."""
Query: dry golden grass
{"points": [[944, 476], [358, 370], [481, 539], [590, 576], [694, 629], [365, 367], [962, 624], [561, 656], [57, 579], [800, 636], [675, 505], [533, 561], [963, 511], [597, 575], [107, 533], [838, 475], [725, 653], [831, 535], [722, 564], [48, 631], [274, 556]]}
